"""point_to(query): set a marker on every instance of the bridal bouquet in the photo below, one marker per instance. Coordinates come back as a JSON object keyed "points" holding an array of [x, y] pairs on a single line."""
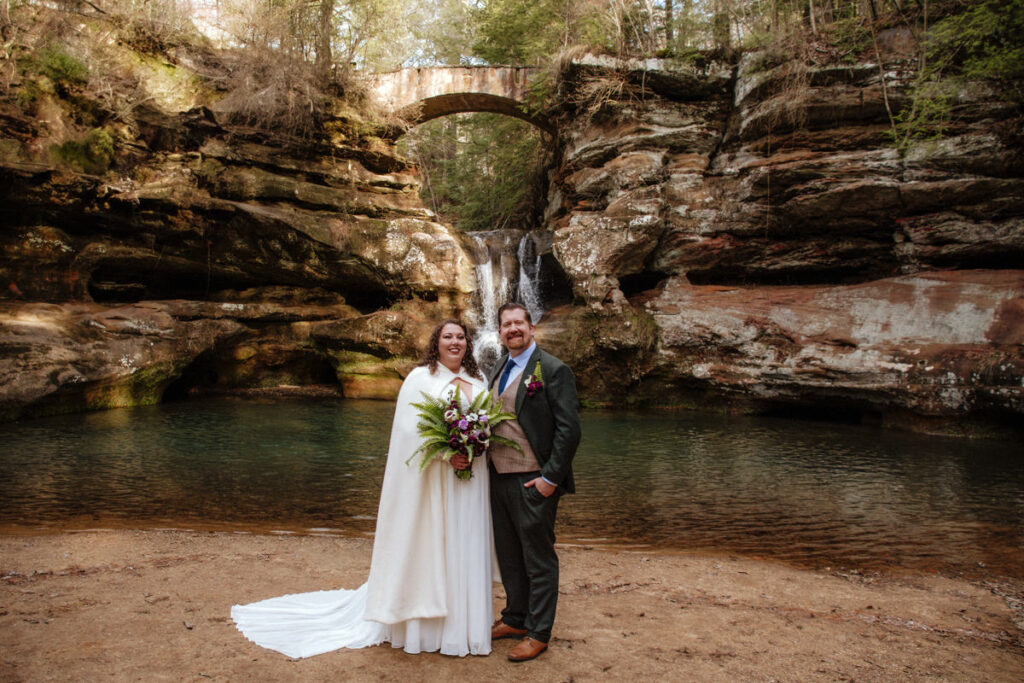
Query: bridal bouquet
{"points": [[449, 430]]}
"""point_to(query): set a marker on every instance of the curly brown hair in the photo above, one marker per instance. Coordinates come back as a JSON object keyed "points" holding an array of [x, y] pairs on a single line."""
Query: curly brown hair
{"points": [[432, 357]]}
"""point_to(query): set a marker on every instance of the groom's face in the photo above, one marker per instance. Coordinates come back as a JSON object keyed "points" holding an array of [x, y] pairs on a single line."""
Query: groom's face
{"points": [[515, 332]]}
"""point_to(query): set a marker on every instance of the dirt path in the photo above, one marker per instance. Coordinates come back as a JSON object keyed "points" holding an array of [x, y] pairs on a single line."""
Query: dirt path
{"points": [[154, 606]]}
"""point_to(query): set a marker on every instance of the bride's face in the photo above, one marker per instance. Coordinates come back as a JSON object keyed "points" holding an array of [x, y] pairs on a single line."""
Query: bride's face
{"points": [[451, 346]]}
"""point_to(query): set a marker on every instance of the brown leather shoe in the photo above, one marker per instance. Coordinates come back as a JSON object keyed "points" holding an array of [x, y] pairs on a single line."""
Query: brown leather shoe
{"points": [[529, 648], [502, 630]]}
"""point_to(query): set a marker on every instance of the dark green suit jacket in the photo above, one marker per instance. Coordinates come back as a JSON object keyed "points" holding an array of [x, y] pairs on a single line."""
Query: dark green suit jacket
{"points": [[550, 418]]}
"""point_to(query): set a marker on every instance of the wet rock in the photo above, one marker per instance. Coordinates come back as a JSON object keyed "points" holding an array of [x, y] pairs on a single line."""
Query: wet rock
{"points": [[910, 351], [83, 356], [74, 357]]}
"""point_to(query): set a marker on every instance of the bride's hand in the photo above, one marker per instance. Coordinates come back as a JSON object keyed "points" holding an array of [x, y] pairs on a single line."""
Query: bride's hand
{"points": [[460, 461]]}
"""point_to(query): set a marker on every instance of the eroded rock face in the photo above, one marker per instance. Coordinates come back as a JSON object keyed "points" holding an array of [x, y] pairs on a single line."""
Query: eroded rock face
{"points": [[60, 358], [937, 344], [775, 176], [915, 349], [193, 224], [751, 240], [248, 263], [72, 357]]}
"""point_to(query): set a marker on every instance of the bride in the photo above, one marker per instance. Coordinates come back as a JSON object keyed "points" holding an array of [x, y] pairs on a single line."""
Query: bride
{"points": [[429, 587]]}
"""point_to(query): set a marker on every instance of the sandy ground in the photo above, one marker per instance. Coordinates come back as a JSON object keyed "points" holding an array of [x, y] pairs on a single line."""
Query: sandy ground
{"points": [[154, 606]]}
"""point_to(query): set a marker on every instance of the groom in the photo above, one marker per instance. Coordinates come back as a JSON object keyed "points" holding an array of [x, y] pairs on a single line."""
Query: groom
{"points": [[526, 485]]}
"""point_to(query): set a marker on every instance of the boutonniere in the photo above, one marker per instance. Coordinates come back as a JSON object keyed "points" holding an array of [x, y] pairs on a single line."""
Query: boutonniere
{"points": [[534, 382]]}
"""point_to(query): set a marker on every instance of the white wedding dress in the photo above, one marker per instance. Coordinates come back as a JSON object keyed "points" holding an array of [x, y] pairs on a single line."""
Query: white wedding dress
{"points": [[429, 588]]}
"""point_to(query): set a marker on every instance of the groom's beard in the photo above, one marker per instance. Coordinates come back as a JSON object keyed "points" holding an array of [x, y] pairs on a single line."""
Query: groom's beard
{"points": [[515, 342]]}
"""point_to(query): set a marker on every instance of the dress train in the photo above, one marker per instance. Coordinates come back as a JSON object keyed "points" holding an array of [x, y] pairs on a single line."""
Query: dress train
{"points": [[307, 624], [432, 556]]}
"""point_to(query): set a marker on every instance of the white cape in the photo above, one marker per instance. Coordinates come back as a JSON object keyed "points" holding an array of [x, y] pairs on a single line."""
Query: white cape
{"points": [[408, 569], [429, 587]]}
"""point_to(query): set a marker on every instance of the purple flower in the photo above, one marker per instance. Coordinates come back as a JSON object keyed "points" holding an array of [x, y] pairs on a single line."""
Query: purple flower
{"points": [[463, 424], [483, 418]]}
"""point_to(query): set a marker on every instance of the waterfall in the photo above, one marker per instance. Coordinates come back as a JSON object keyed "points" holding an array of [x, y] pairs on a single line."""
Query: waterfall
{"points": [[500, 271], [529, 271], [491, 296], [486, 290]]}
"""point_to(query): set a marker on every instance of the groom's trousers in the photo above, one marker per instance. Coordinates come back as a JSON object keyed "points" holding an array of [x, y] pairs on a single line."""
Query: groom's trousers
{"points": [[524, 540]]}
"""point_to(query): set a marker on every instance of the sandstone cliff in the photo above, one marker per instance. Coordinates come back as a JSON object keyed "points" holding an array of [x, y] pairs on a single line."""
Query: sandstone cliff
{"points": [[201, 253], [748, 238], [734, 237]]}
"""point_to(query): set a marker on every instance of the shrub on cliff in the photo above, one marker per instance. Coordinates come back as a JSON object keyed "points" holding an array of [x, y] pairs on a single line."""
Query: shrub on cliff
{"points": [[49, 68], [984, 41], [60, 67], [154, 26], [92, 154], [272, 92]]}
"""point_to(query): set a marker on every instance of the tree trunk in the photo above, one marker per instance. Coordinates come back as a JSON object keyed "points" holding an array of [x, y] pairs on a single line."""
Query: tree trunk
{"points": [[323, 39], [874, 10], [721, 27], [5, 20], [668, 24]]}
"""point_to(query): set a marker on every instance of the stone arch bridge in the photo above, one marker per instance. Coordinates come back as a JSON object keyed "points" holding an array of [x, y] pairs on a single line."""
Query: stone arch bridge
{"points": [[425, 93]]}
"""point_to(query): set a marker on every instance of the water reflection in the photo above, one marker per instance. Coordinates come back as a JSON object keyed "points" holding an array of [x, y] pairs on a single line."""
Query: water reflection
{"points": [[807, 493], [289, 465]]}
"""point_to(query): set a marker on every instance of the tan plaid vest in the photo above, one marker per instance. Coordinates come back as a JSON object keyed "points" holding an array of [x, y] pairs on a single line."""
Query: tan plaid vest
{"points": [[505, 458]]}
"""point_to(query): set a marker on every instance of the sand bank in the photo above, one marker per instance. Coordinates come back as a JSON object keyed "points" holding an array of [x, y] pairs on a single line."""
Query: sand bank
{"points": [[154, 606]]}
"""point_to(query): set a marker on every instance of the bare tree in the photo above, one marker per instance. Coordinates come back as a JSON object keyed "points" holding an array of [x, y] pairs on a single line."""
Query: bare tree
{"points": [[721, 24], [668, 23], [325, 31]]}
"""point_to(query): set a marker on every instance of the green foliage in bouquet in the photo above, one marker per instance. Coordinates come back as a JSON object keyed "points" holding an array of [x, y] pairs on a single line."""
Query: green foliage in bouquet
{"points": [[448, 430]]}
